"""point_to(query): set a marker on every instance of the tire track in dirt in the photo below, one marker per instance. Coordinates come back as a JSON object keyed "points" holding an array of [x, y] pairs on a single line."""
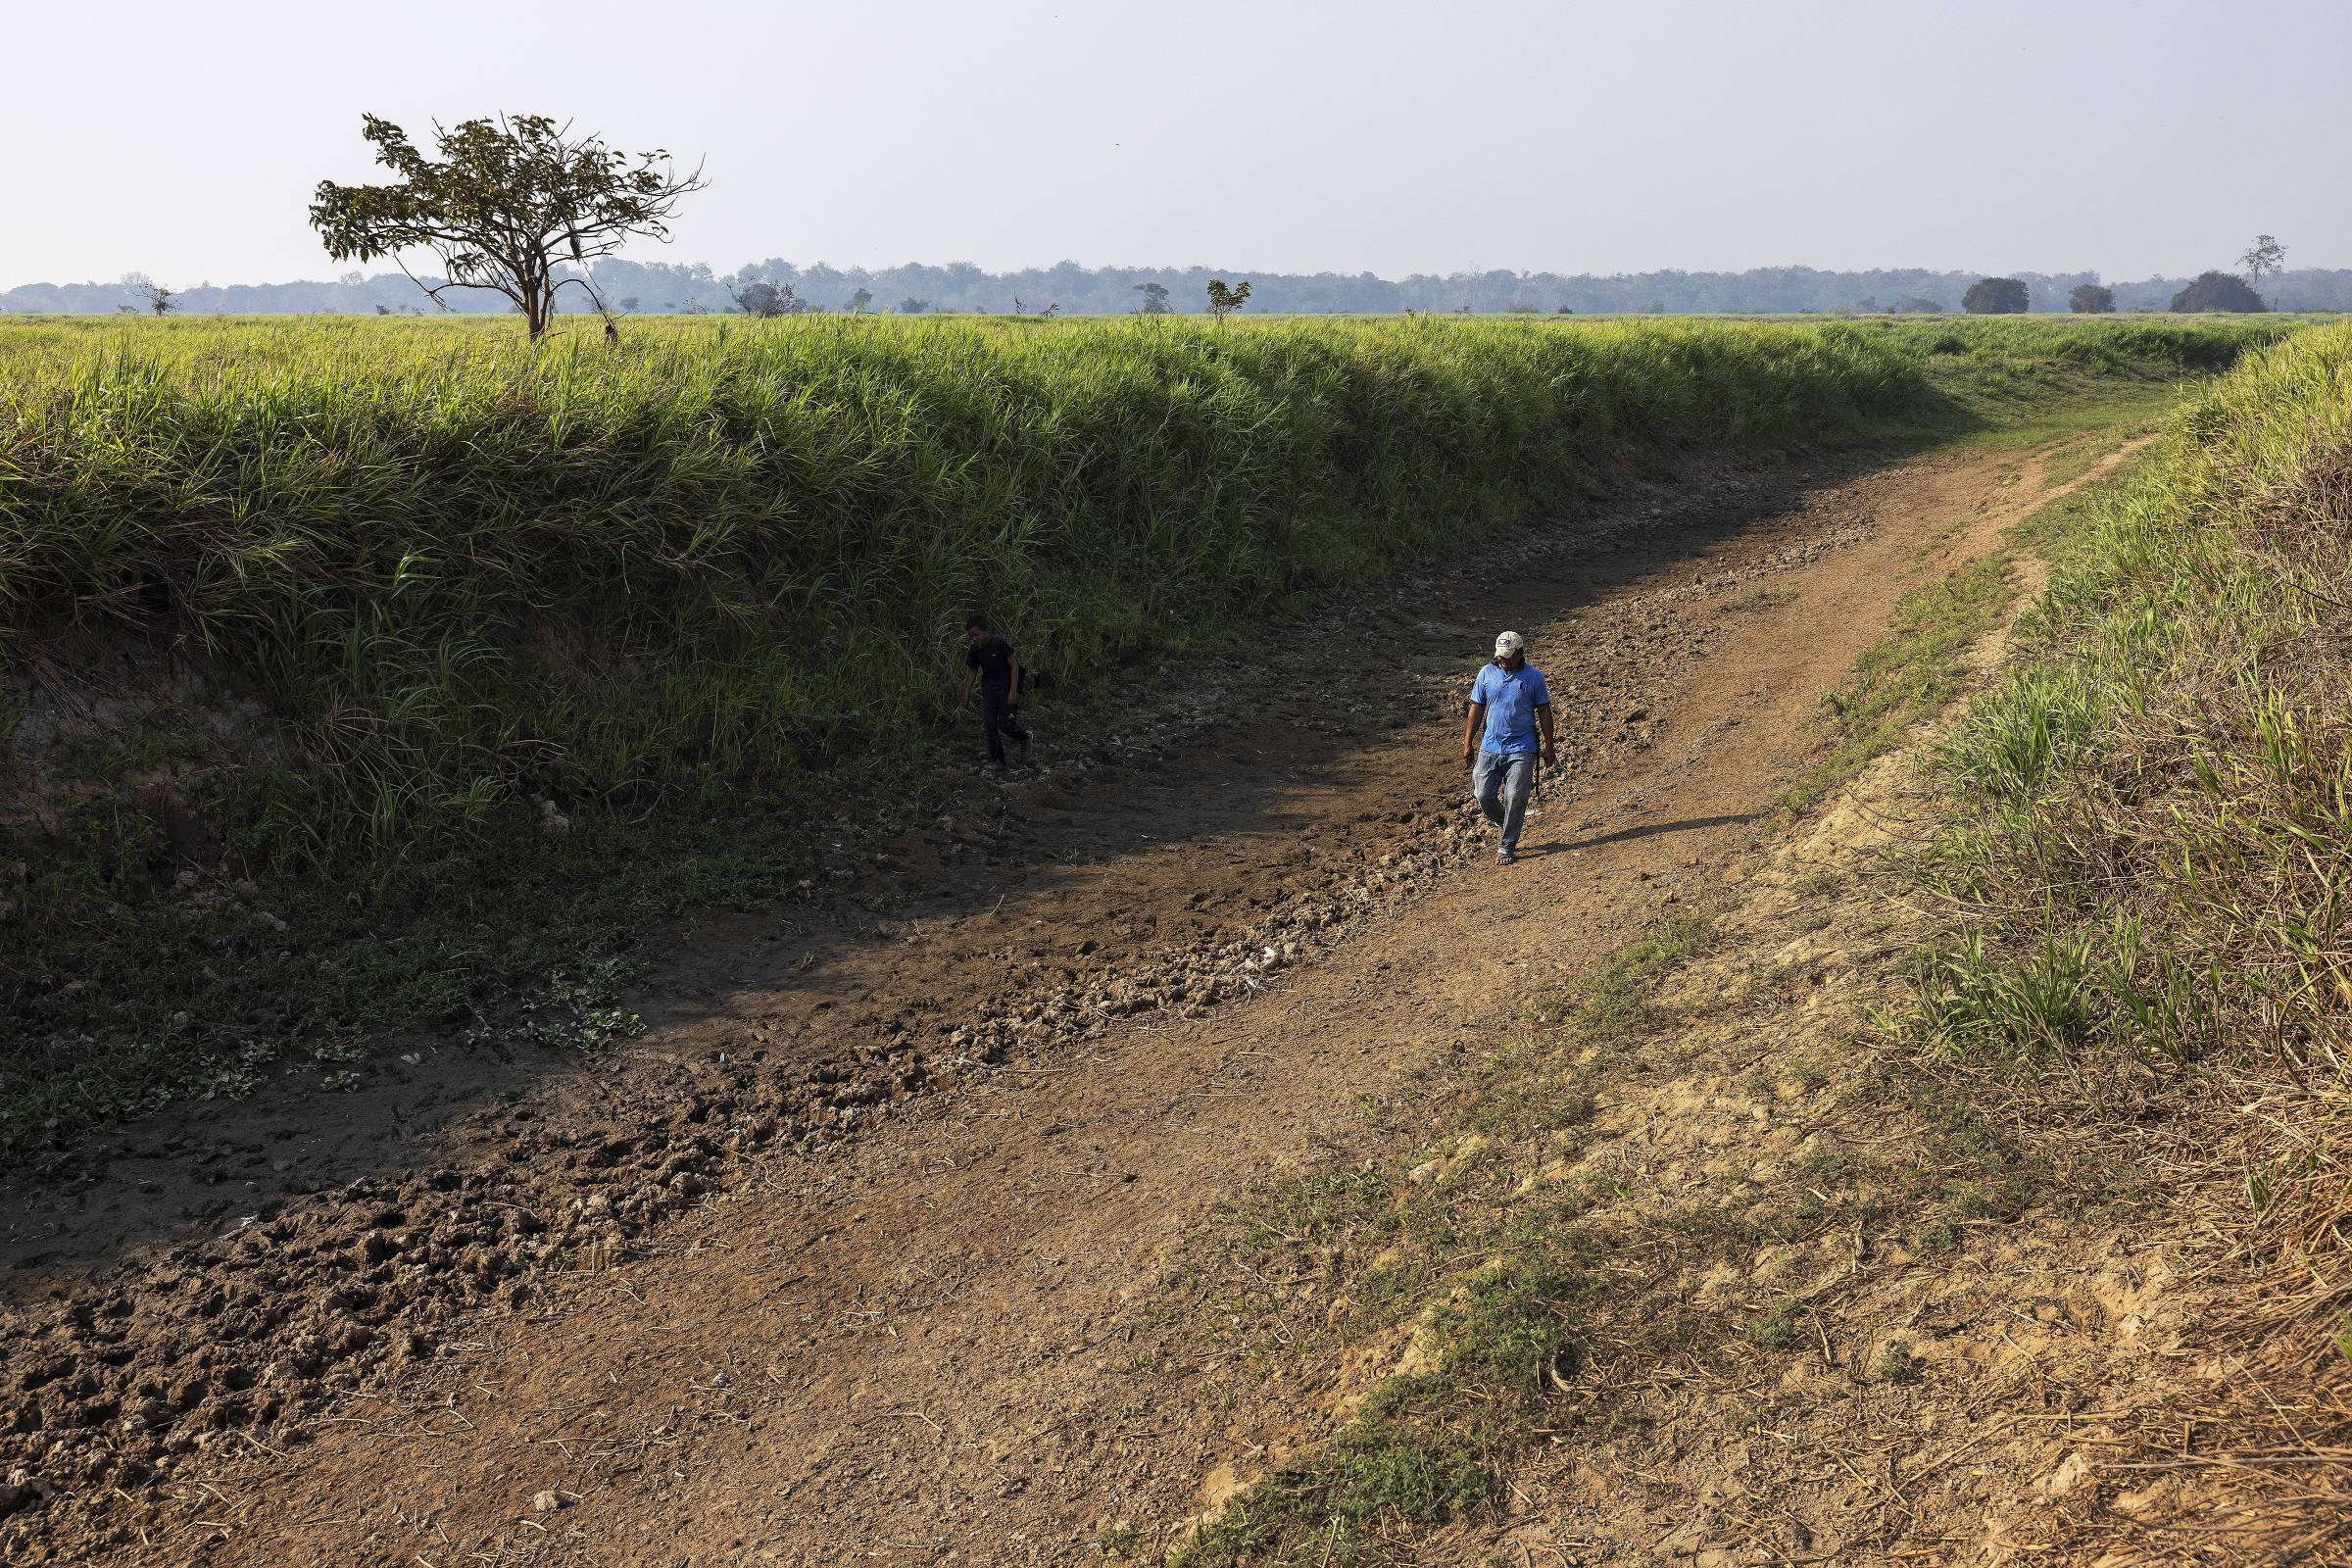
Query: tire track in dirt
{"points": [[898, 1344]]}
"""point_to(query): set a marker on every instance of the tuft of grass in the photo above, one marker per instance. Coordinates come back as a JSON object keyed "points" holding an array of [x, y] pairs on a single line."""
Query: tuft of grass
{"points": [[1502, 1355], [1910, 675], [1332, 1502], [1615, 1004]]}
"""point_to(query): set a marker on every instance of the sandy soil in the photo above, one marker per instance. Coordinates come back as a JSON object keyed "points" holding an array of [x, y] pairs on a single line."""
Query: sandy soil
{"points": [[851, 1255]]}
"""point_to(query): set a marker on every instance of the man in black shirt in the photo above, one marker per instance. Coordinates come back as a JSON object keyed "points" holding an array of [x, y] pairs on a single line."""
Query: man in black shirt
{"points": [[993, 664]]}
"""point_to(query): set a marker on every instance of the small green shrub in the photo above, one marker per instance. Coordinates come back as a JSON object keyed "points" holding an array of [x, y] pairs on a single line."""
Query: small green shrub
{"points": [[1778, 1329]]}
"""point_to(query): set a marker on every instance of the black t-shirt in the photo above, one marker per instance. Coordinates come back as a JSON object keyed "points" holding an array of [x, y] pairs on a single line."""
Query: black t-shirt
{"points": [[992, 658]]}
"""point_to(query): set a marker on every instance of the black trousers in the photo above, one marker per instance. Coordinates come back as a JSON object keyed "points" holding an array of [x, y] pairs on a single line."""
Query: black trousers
{"points": [[1000, 719]]}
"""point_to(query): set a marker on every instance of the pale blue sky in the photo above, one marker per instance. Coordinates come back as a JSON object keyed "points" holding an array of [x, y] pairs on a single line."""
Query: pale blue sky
{"points": [[2151, 136]]}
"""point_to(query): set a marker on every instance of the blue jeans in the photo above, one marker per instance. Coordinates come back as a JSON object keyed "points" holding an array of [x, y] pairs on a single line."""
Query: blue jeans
{"points": [[1502, 784]]}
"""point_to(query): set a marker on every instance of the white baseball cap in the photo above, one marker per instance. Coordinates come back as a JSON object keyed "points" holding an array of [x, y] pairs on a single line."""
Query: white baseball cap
{"points": [[1509, 643]]}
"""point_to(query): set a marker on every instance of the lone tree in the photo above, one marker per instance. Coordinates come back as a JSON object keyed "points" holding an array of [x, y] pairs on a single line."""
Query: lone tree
{"points": [[763, 299], [509, 200], [860, 301], [2265, 257], [1156, 299], [912, 305], [1995, 296], [153, 295], [2218, 291], [2091, 299], [1223, 301]]}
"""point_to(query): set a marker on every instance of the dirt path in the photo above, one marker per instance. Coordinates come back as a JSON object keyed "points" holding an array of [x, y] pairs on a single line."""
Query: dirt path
{"points": [[844, 1258]]}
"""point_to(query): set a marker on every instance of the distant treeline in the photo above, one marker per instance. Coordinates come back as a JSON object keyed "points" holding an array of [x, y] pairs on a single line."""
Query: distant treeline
{"points": [[664, 288]]}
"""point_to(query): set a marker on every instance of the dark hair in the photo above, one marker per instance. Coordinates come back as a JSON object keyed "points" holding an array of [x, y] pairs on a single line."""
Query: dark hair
{"points": [[976, 624]]}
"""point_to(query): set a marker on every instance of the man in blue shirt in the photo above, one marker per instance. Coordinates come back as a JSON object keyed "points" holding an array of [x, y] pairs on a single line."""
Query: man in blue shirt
{"points": [[1512, 702]]}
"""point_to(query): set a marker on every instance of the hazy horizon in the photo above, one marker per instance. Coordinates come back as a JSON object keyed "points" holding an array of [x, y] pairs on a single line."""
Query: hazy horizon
{"points": [[2151, 138], [668, 287]]}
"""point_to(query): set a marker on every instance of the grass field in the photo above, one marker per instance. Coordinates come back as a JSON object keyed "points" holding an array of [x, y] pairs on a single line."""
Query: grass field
{"points": [[448, 577]]}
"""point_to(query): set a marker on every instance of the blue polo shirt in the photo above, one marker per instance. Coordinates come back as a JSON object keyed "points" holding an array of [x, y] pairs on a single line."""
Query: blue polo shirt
{"points": [[1511, 697]]}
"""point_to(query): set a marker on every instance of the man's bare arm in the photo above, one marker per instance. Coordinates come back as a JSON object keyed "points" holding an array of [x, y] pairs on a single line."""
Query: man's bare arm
{"points": [[969, 676], [1478, 715], [1544, 722]]}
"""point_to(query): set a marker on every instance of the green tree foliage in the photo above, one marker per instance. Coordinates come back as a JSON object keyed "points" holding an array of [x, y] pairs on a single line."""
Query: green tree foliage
{"points": [[1995, 296], [861, 301], [912, 305], [1223, 301], [2091, 299], [2218, 291], [1156, 299], [509, 200]]}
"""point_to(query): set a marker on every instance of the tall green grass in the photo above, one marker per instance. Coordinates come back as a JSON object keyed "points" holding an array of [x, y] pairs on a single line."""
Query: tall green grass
{"points": [[2155, 802], [457, 567], [2146, 861]]}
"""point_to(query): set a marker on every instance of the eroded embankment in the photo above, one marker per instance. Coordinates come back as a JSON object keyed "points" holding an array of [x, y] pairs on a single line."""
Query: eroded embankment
{"points": [[918, 1337]]}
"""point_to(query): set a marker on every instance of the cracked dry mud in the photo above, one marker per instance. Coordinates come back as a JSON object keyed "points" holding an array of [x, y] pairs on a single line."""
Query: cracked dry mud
{"points": [[854, 1255]]}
